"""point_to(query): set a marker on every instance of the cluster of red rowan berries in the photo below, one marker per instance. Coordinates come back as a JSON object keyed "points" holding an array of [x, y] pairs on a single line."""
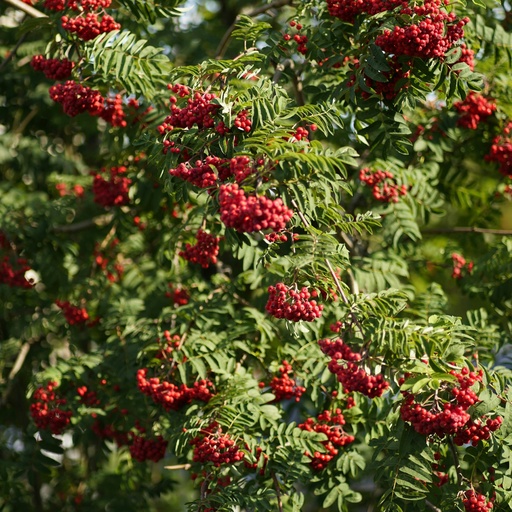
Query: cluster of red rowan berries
{"points": [[115, 190], [475, 502], [258, 456], [433, 34], [76, 5], [88, 396], [173, 397], [172, 342], [75, 315], [13, 273], [108, 431], [202, 174], [54, 69], [249, 213], [285, 387], [475, 108], [46, 409], [460, 266], [63, 190], [77, 99], [212, 445], [242, 121], [103, 258], [89, 26], [332, 426], [449, 416], [179, 296], [204, 252], [384, 187], [286, 302], [349, 372], [300, 40], [501, 151], [143, 449]]}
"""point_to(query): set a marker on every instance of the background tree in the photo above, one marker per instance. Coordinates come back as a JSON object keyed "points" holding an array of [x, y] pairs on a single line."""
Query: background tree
{"points": [[255, 256]]}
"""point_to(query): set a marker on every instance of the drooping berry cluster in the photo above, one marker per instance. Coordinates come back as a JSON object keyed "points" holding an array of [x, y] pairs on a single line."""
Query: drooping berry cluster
{"points": [[461, 267], [242, 121], [113, 112], [143, 449], [251, 213], [285, 387], [212, 445], [89, 26], [298, 38], [332, 426], [76, 5], [75, 315], [475, 502], [115, 190], [349, 372], [77, 99], [12, 273], [501, 151], [173, 397], [204, 252], [204, 174], [434, 32], [54, 69], [179, 296], [46, 409], [286, 302], [446, 413], [384, 187], [475, 109]]}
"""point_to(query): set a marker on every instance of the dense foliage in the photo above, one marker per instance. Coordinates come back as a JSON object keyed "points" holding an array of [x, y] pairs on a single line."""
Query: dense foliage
{"points": [[255, 257]]}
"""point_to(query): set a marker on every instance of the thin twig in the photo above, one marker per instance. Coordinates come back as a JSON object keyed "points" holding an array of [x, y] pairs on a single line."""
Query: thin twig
{"points": [[99, 221], [431, 506], [179, 466], [466, 229], [278, 492], [12, 53], [28, 9], [20, 359], [255, 12]]}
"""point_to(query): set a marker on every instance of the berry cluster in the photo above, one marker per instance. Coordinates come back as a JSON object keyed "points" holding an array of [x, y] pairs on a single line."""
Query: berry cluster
{"points": [[501, 151], [63, 190], [396, 80], [242, 121], [332, 426], [247, 214], [300, 40], [475, 502], [459, 265], [171, 396], [46, 409], [211, 445], [449, 416], [113, 112], [204, 252], [55, 69], [103, 259], [347, 10], [204, 174], [349, 373], [143, 449], [13, 275], [76, 98], [113, 192], [171, 342], [179, 296], [89, 26], [435, 32], [199, 110], [88, 396], [286, 302], [74, 314], [76, 5], [108, 431], [284, 387], [384, 187], [474, 109]]}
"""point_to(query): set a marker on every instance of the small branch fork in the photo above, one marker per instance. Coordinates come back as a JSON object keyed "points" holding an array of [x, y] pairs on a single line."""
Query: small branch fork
{"points": [[255, 12]]}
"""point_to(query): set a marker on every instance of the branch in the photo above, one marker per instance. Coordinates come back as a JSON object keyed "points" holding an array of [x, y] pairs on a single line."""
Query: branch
{"points": [[100, 221], [467, 229], [179, 466], [278, 492], [20, 359], [255, 12], [431, 506], [28, 9]]}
